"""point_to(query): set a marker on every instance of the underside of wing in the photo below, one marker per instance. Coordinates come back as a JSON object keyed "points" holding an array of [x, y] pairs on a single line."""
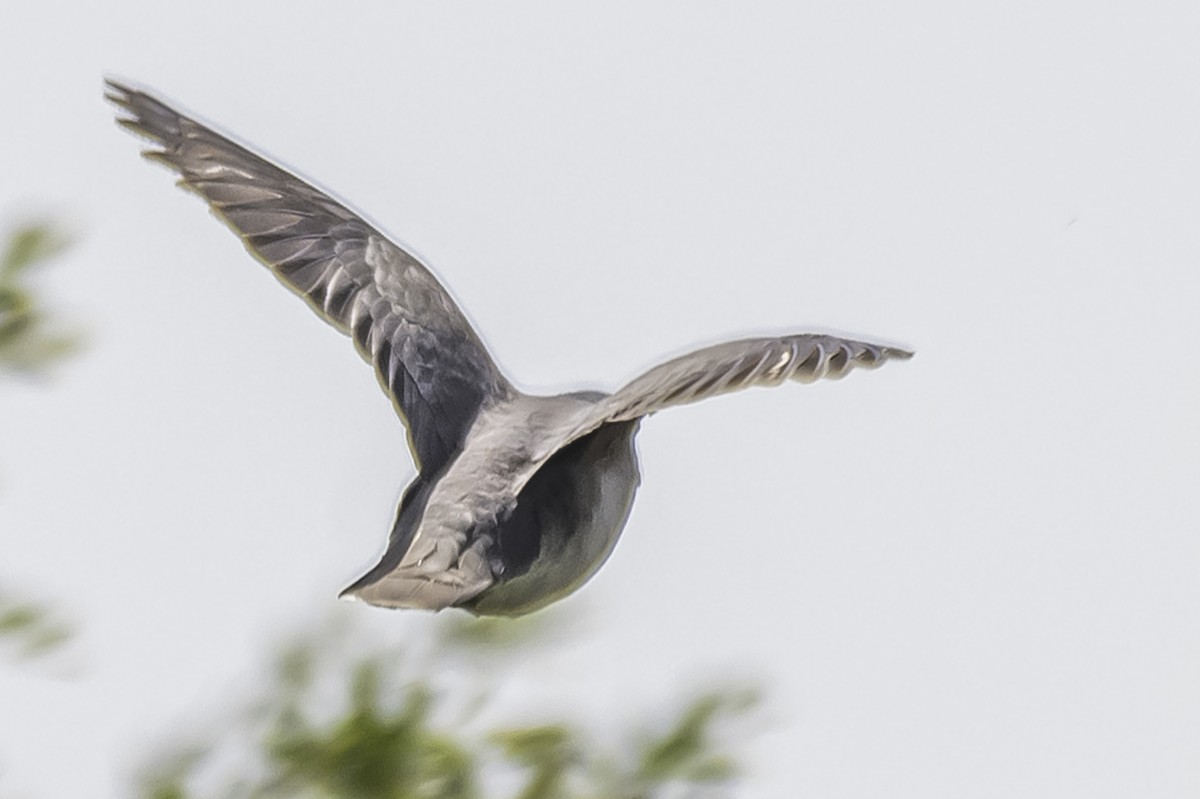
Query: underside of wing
{"points": [[736, 365], [429, 360]]}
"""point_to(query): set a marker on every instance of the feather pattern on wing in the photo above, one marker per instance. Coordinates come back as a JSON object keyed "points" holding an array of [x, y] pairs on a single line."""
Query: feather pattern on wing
{"points": [[428, 359], [735, 365]]}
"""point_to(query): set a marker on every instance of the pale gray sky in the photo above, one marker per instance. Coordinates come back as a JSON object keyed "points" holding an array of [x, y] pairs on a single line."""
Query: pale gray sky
{"points": [[973, 574]]}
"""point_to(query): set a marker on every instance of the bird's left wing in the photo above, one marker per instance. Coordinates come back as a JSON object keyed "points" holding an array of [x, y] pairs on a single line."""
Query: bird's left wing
{"points": [[428, 359], [735, 365]]}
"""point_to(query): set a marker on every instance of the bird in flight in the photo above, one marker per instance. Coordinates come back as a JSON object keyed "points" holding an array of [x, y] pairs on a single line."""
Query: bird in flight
{"points": [[518, 499]]}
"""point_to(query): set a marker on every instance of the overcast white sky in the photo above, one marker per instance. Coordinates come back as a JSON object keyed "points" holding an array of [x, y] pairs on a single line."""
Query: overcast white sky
{"points": [[973, 574]]}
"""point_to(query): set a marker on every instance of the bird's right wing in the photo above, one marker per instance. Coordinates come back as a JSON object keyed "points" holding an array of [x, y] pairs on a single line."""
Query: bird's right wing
{"points": [[735, 365], [428, 359]]}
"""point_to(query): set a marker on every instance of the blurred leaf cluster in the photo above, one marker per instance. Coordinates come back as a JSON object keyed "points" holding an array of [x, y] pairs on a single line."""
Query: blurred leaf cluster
{"points": [[28, 341], [395, 735], [30, 629], [26, 344]]}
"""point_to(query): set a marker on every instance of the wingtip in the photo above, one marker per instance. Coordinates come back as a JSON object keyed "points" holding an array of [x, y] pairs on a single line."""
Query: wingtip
{"points": [[118, 91], [124, 98]]}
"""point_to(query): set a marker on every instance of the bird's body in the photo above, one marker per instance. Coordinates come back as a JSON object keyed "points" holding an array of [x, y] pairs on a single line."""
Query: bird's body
{"points": [[518, 499], [471, 528]]}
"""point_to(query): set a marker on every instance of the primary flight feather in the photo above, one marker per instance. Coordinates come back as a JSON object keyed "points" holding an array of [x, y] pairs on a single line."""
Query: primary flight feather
{"points": [[518, 499]]}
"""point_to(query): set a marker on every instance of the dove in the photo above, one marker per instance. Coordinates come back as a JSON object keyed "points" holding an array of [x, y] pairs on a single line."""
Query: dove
{"points": [[518, 499]]}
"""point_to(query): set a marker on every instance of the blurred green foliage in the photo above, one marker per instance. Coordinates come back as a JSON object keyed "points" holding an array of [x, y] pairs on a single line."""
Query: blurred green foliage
{"points": [[28, 341], [396, 736], [30, 629], [27, 344]]}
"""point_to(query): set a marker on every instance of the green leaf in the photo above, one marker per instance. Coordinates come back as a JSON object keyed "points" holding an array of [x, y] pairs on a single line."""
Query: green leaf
{"points": [[31, 628], [29, 342], [30, 244], [20, 618], [548, 751], [688, 750]]}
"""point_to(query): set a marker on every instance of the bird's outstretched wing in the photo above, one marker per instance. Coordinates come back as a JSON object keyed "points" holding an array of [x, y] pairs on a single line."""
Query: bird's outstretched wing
{"points": [[428, 359], [735, 365]]}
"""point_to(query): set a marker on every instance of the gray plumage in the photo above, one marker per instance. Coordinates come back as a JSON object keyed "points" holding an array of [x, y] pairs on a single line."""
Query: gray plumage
{"points": [[518, 499]]}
